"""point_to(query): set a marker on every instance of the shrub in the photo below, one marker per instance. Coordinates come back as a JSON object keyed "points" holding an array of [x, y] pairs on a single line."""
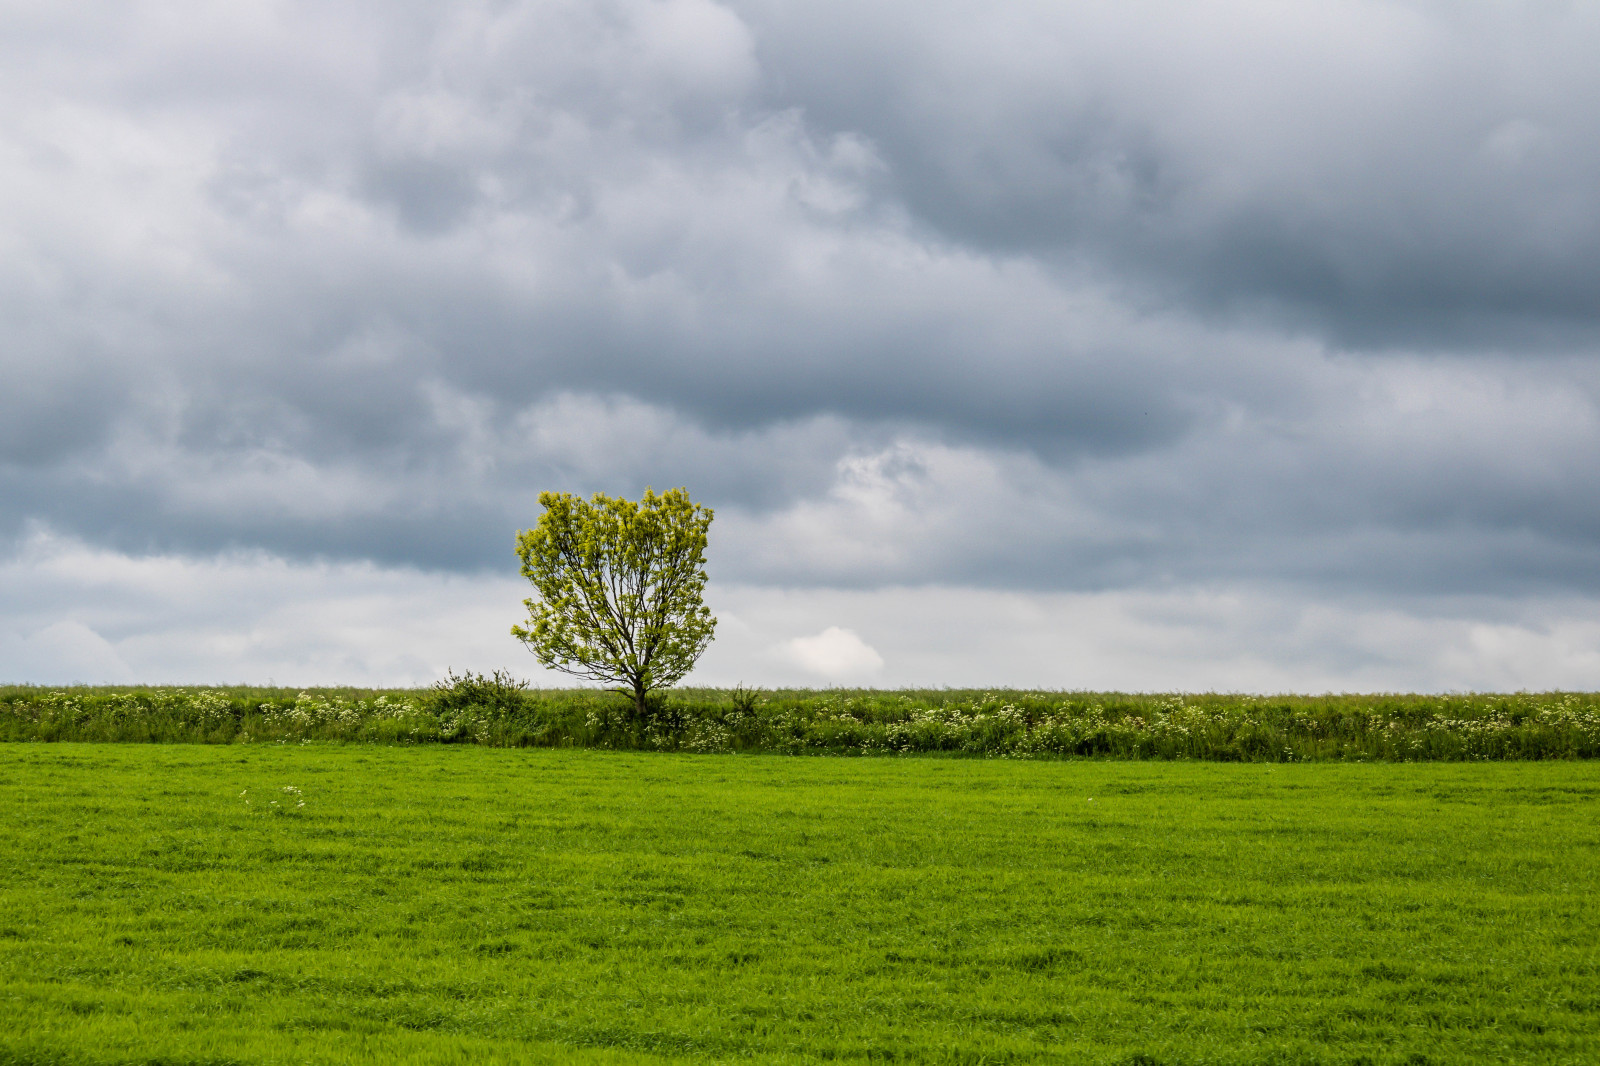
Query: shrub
{"points": [[468, 704]]}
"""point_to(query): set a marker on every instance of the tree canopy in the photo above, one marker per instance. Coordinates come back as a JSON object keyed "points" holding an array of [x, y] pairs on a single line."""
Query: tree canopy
{"points": [[619, 588]]}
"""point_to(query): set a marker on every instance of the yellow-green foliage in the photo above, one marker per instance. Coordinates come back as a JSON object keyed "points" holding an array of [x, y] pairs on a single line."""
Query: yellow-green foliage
{"points": [[323, 904], [619, 587]]}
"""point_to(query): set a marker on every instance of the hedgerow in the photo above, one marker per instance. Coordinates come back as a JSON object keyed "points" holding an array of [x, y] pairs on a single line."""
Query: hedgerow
{"points": [[496, 710]]}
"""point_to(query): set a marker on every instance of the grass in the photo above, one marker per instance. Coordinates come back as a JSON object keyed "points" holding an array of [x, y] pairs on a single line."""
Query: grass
{"points": [[498, 712], [472, 904]]}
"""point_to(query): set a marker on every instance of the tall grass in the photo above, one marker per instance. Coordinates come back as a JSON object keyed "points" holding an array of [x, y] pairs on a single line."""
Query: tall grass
{"points": [[497, 711]]}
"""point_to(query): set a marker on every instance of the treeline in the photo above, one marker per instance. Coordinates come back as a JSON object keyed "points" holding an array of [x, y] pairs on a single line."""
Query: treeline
{"points": [[497, 710]]}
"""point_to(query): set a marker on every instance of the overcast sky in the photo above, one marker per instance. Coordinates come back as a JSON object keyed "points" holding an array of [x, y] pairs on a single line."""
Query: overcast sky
{"points": [[1131, 345]]}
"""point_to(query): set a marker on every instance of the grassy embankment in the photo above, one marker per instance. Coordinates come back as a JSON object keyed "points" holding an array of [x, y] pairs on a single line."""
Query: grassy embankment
{"points": [[475, 905], [865, 722]]}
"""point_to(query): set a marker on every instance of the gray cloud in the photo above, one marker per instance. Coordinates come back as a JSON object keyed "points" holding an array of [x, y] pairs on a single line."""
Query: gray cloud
{"points": [[1080, 298], [1390, 174]]}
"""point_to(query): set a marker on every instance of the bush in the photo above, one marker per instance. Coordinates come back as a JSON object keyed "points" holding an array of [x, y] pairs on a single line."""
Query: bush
{"points": [[469, 705]]}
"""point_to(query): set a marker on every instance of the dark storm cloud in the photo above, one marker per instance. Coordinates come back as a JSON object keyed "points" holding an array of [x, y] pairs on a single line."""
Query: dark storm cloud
{"points": [[1073, 297], [1393, 174]]}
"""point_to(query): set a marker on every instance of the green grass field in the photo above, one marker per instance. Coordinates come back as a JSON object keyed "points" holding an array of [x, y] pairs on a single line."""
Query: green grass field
{"points": [[474, 904]]}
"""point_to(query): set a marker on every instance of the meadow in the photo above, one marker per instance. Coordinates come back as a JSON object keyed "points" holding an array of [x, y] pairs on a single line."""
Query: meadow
{"points": [[296, 902], [497, 711]]}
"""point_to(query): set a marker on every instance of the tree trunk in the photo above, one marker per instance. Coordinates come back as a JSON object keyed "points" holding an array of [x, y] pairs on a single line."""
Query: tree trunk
{"points": [[639, 704]]}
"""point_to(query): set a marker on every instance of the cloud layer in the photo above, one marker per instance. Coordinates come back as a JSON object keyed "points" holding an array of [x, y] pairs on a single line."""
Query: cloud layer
{"points": [[1122, 299]]}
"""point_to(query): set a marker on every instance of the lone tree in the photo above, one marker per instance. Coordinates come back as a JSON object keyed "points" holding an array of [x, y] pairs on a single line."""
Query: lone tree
{"points": [[619, 586]]}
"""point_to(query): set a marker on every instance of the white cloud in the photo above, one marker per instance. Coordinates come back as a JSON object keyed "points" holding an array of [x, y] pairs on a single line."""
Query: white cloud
{"points": [[1243, 637], [834, 655], [247, 617], [79, 613], [65, 652]]}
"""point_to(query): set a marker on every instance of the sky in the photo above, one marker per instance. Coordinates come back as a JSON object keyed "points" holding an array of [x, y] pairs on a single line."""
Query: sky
{"points": [[1132, 345]]}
